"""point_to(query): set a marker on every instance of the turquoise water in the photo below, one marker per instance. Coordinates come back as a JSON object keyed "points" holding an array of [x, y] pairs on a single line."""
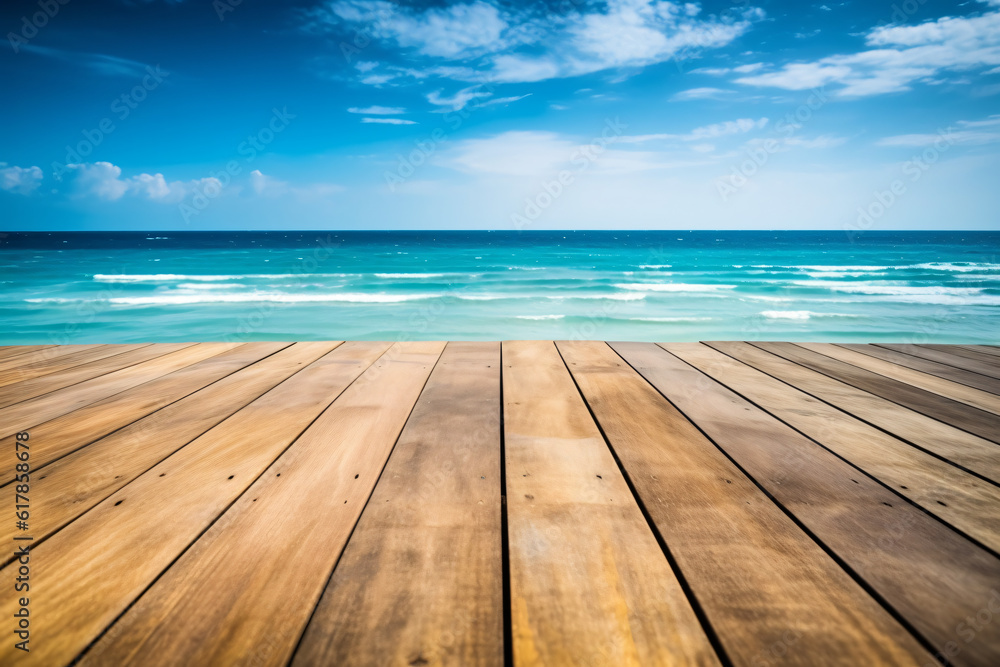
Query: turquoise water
{"points": [[648, 286]]}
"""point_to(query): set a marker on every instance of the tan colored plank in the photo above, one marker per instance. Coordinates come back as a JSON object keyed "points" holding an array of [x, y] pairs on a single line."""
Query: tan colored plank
{"points": [[46, 384], [946, 357], [69, 432], [955, 496], [760, 579], [965, 417], [164, 358], [937, 385], [900, 359], [73, 484], [420, 581], [931, 575], [980, 356], [589, 583], [17, 350], [152, 520], [42, 354], [26, 382], [243, 593], [964, 449]]}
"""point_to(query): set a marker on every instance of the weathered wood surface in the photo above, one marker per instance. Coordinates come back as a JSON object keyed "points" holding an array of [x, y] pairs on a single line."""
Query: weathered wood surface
{"points": [[530, 503]]}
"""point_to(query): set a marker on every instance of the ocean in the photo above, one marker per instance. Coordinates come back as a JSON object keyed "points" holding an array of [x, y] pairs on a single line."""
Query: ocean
{"points": [[118, 287]]}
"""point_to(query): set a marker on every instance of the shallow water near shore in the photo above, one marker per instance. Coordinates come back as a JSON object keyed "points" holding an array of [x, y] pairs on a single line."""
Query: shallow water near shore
{"points": [[646, 286]]}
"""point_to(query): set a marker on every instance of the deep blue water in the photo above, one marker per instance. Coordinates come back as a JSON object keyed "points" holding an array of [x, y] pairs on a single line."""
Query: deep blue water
{"points": [[651, 286]]}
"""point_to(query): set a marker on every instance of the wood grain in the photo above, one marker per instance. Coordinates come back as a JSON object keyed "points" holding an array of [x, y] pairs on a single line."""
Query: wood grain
{"points": [[17, 350], [60, 363], [243, 593], [589, 584], [944, 357], [953, 495], [937, 385], [904, 362], [421, 580], [760, 579], [964, 449], [86, 586], [965, 417], [931, 575], [39, 354], [73, 484]]}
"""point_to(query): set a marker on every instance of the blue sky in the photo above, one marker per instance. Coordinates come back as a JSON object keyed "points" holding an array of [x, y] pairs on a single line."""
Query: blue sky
{"points": [[556, 114]]}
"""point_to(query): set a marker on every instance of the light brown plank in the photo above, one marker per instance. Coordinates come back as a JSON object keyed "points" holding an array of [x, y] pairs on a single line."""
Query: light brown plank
{"points": [[937, 385], [171, 357], [933, 576], [79, 598], [900, 359], [243, 593], [22, 391], [760, 579], [73, 484], [589, 583], [965, 417], [955, 496], [41, 355], [420, 581], [17, 350], [964, 449], [944, 357], [60, 363], [69, 432], [982, 357]]}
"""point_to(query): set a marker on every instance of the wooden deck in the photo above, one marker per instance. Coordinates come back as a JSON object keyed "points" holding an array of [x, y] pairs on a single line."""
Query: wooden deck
{"points": [[528, 503]]}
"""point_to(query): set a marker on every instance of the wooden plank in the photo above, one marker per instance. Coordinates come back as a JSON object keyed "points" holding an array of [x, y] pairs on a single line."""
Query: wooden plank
{"points": [[953, 495], [983, 349], [963, 449], [79, 598], [421, 581], [164, 358], [937, 385], [69, 432], [970, 419], [932, 576], [902, 360], [243, 593], [944, 357], [73, 484], [54, 364], [589, 583], [42, 354], [982, 356], [46, 384], [17, 350], [760, 579]]}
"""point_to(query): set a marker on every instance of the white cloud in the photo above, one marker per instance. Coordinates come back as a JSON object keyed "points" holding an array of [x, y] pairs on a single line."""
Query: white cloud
{"points": [[389, 121], [898, 57], [517, 46], [459, 99], [377, 110], [103, 180], [22, 180], [701, 94], [714, 131]]}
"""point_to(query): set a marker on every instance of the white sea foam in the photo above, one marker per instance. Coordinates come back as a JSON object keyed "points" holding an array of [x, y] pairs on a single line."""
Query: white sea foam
{"points": [[889, 288], [539, 317], [964, 267], [799, 314], [415, 276], [655, 266], [672, 287], [176, 277], [188, 299], [671, 319]]}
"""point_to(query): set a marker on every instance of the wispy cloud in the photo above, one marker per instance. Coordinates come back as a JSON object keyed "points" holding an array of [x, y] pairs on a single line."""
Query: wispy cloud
{"points": [[99, 63], [389, 121], [706, 93], [376, 110], [706, 132], [964, 132]]}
